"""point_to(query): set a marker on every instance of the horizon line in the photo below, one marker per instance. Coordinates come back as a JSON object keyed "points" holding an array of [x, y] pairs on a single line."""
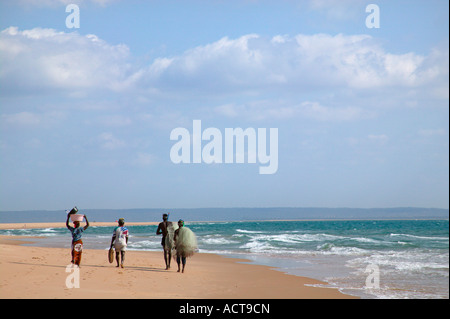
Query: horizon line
{"points": [[233, 207]]}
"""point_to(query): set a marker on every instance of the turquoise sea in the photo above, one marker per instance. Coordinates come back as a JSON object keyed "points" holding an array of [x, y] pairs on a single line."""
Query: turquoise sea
{"points": [[367, 258]]}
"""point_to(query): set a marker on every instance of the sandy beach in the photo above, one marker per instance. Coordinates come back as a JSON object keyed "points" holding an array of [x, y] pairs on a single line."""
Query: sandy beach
{"points": [[40, 272]]}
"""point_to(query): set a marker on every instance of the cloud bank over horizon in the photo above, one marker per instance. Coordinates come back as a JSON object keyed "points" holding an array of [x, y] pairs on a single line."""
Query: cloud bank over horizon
{"points": [[68, 60]]}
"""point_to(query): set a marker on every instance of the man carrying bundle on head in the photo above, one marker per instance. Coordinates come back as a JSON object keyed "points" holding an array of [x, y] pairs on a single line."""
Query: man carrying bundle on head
{"points": [[185, 243]]}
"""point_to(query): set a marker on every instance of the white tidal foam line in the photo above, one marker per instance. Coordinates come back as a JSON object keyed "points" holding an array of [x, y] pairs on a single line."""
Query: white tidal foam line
{"points": [[216, 241], [420, 237], [248, 231], [255, 246], [404, 262]]}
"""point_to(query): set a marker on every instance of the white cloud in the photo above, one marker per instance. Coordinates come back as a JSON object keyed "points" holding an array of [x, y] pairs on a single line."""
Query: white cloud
{"points": [[22, 118], [368, 142], [228, 110], [115, 120], [301, 63], [107, 141], [45, 59], [431, 132], [143, 159], [319, 112], [380, 139], [270, 109], [32, 119]]}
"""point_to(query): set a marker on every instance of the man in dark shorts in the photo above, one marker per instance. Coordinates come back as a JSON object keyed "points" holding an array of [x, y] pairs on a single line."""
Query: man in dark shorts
{"points": [[163, 229], [180, 257]]}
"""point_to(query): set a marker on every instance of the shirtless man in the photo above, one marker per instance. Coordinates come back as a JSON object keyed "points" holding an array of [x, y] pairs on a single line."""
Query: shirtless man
{"points": [[180, 257], [162, 229]]}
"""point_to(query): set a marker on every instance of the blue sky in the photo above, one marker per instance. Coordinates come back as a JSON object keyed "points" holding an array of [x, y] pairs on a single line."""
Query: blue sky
{"points": [[86, 114]]}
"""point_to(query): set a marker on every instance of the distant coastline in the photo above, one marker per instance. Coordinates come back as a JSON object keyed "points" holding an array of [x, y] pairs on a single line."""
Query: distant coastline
{"points": [[228, 214]]}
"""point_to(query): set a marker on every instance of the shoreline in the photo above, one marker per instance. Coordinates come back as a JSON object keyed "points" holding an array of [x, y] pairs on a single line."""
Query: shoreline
{"points": [[31, 272], [63, 225]]}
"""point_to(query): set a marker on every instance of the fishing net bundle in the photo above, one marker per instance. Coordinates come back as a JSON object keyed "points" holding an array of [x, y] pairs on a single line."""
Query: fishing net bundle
{"points": [[186, 244], [169, 242]]}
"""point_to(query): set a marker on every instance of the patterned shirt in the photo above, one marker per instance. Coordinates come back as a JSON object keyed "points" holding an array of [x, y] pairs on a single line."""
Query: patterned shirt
{"points": [[120, 233], [76, 232]]}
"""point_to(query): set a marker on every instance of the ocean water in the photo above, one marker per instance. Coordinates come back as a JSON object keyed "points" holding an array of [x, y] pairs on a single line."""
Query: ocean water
{"points": [[366, 258]]}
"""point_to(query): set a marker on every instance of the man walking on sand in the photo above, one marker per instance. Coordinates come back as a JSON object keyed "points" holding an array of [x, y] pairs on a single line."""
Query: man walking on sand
{"points": [[185, 244], [120, 241], [163, 228]]}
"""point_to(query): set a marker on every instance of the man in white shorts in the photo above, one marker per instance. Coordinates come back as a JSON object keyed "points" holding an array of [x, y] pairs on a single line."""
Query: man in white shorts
{"points": [[120, 241]]}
